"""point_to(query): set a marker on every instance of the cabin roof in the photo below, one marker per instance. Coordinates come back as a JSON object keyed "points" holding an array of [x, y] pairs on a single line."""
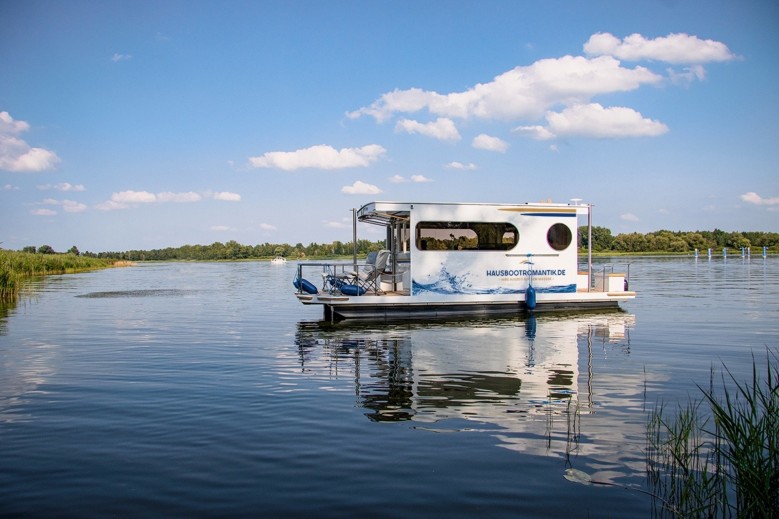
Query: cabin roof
{"points": [[382, 213]]}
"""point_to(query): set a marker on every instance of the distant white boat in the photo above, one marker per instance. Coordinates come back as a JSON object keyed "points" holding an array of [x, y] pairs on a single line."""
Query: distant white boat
{"points": [[450, 260], [279, 260]]}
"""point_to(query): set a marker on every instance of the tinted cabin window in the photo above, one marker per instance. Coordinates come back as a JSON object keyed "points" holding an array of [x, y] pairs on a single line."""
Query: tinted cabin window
{"points": [[466, 236], [559, 236]]}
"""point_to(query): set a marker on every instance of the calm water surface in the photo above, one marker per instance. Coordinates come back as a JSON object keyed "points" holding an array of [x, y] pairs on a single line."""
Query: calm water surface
{"points": [[206, 389]]}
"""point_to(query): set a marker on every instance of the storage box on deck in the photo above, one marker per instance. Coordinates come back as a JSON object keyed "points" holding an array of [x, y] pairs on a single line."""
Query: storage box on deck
{"points": [[395, 283], [610, 282], [582, 281], [400, 281]]}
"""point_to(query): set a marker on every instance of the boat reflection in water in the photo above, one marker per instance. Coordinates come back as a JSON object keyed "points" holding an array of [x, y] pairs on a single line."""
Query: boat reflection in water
{"points": [[528, 382]]}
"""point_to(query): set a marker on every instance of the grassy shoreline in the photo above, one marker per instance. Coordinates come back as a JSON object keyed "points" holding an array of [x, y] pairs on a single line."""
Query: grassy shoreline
{"points": [[17, 267]]}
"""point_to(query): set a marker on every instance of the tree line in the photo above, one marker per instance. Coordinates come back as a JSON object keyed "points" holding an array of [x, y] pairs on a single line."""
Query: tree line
{"points": [[232, 250], [602, 241], [677, 241]]}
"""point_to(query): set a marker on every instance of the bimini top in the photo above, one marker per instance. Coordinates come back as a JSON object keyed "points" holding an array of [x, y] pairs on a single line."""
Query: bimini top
{"points": [[382, 213]]}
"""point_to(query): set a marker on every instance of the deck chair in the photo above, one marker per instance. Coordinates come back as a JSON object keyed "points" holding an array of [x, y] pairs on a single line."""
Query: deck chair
{"points": [[369, 276], [334, 279]]}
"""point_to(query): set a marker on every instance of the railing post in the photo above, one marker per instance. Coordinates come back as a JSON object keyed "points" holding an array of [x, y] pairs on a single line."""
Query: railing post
{"points": [[589, 246], [354, 236]]}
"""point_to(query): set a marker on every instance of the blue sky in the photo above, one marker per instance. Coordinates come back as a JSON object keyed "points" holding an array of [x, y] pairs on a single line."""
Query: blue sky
{"points": [[139, 125]]}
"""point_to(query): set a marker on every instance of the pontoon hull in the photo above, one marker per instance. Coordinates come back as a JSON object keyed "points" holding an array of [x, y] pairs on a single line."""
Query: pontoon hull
{"points": [[400, 308]]}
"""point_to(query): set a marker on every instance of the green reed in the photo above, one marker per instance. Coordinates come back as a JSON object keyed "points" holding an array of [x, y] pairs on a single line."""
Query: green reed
{"points": [[719, 456], [17, 267]]}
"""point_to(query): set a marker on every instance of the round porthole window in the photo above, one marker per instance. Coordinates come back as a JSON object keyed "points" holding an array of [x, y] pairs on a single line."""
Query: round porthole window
{"points": [[559, 236]]}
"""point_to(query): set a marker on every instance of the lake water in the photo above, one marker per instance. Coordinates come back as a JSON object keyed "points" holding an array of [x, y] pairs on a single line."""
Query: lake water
{"points": [[206, 389]]}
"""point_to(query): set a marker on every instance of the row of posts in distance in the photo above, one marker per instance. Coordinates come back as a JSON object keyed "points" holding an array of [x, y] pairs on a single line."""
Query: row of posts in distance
{"points": [[746, 252]]}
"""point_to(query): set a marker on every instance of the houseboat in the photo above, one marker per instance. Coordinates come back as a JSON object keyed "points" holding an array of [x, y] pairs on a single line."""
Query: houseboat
{"points": [[445, 260]]}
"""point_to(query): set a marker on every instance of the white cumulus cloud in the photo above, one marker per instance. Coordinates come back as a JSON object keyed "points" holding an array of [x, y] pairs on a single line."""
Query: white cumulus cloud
{"points": [[489, 143], [16, 154], [361, 188], [521, 93], [535, 131], [399, 179], [117, 57], [561, 90], [676, 48], [319, 157], [71, 206], [593, 120], [43, 212], [227, 196], [459, 165], [332, 224], [267, 227], [127, 199], [8, 126], [754, 198], [442, 128], [63, 186], [189, 196], [687, 75], [629, 217], [134, 197]]}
